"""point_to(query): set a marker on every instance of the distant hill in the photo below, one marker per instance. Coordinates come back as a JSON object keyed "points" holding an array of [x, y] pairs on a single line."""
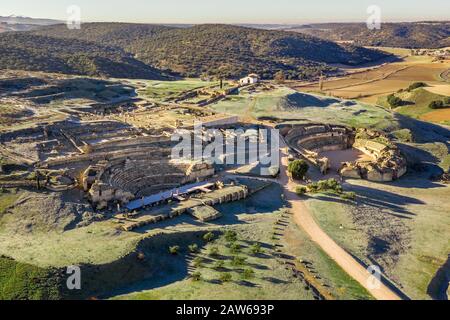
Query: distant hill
{"points": [[231, 51], [406, 35], [26, 51], [16, 23], [27, 20]]}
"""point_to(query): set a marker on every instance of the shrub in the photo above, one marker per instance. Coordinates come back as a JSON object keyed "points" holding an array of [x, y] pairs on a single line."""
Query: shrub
{"points": [[394, 101], [226, 277], [248, 274], [416, 85], [313, 187], [280, 77], [326, 185], [437, 104], [230, 236], [348, 196], [404, 135], [238, 261], [174, 250], [208, 237], [298, 169], [447, 100], [256, 248], [193, 248], [196, 276], [235, 248], [301, 190]]}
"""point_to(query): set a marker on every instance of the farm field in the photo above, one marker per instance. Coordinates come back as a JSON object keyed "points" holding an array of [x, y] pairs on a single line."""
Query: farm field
{"points": [[368, 86]]}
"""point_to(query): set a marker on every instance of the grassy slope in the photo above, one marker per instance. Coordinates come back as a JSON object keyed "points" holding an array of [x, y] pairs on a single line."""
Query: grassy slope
{"points": [[160, 90], [256, 217], [21, 281], [418, 102], [7, 199], [281, 104], [427, 253]]}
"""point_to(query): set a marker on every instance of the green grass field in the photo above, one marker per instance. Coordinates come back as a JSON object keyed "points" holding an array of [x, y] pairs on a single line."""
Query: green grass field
{"points": [[291, 106], [417, 102], [162, 90]]}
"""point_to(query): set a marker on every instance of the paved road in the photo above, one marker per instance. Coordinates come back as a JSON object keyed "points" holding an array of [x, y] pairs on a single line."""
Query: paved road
{"points": [[304, 219]]}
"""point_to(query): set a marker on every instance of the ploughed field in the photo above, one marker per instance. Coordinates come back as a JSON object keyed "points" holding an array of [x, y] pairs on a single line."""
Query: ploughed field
{"points": [[369, 85]]}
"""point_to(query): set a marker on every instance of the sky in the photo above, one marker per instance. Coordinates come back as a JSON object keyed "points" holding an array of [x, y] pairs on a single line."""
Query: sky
{"points": [[230, 11]]}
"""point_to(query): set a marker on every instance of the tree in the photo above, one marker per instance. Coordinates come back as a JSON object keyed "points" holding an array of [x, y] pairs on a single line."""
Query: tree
{"points": [[248, 274], [437, 104], [298, 169], [280, 77], [394, 101], [196, 276], [301, 190], [208, 237], [238, 261], [193, 248], [416, 85], [174, 250], [230, 236], [226, 277], [256, 249], [235, 248]]}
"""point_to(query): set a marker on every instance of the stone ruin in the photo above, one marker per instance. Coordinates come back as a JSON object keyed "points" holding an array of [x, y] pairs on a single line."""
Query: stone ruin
{"points": [[122, 181], [308, 140], [111, 161]]}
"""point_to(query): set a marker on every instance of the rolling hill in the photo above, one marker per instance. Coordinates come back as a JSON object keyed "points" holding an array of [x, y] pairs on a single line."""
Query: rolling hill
{"points": [[25, 51], [211, 49], [134, 50], [405, 35]]}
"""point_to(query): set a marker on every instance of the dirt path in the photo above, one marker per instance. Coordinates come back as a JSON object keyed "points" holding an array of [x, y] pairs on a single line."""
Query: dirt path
{"points": [[304, 219]]}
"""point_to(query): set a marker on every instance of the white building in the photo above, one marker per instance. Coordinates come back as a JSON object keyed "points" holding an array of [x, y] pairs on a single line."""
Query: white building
{"points": [[250, 79]]}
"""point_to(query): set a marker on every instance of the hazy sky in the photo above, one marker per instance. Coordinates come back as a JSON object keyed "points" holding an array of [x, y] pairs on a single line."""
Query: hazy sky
{"points": [[230, 11]]}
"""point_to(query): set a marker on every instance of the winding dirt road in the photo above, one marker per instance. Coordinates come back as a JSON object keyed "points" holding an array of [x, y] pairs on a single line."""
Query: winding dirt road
{"points": [[304, 219]]}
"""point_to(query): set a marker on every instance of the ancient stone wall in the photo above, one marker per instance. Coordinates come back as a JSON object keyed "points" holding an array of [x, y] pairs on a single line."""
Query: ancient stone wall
{"points": [[310, 139]]}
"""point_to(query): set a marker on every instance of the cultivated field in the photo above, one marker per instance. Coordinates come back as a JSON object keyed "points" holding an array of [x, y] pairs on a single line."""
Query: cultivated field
{"points": [[369, 85]]}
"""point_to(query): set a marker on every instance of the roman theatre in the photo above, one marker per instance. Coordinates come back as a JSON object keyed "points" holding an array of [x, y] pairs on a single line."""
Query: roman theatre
{"points": [[353, 153]]}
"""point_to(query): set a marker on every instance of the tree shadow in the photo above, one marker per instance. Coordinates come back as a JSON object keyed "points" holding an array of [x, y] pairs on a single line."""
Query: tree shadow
{"points": [[275, 280], [439, 285], [130, 274], [424, 132], [383, 200]]}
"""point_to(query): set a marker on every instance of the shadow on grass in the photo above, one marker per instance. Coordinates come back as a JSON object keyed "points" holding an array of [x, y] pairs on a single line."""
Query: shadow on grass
{"points": [[159, 268], [438, 287], [383, 200]]}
